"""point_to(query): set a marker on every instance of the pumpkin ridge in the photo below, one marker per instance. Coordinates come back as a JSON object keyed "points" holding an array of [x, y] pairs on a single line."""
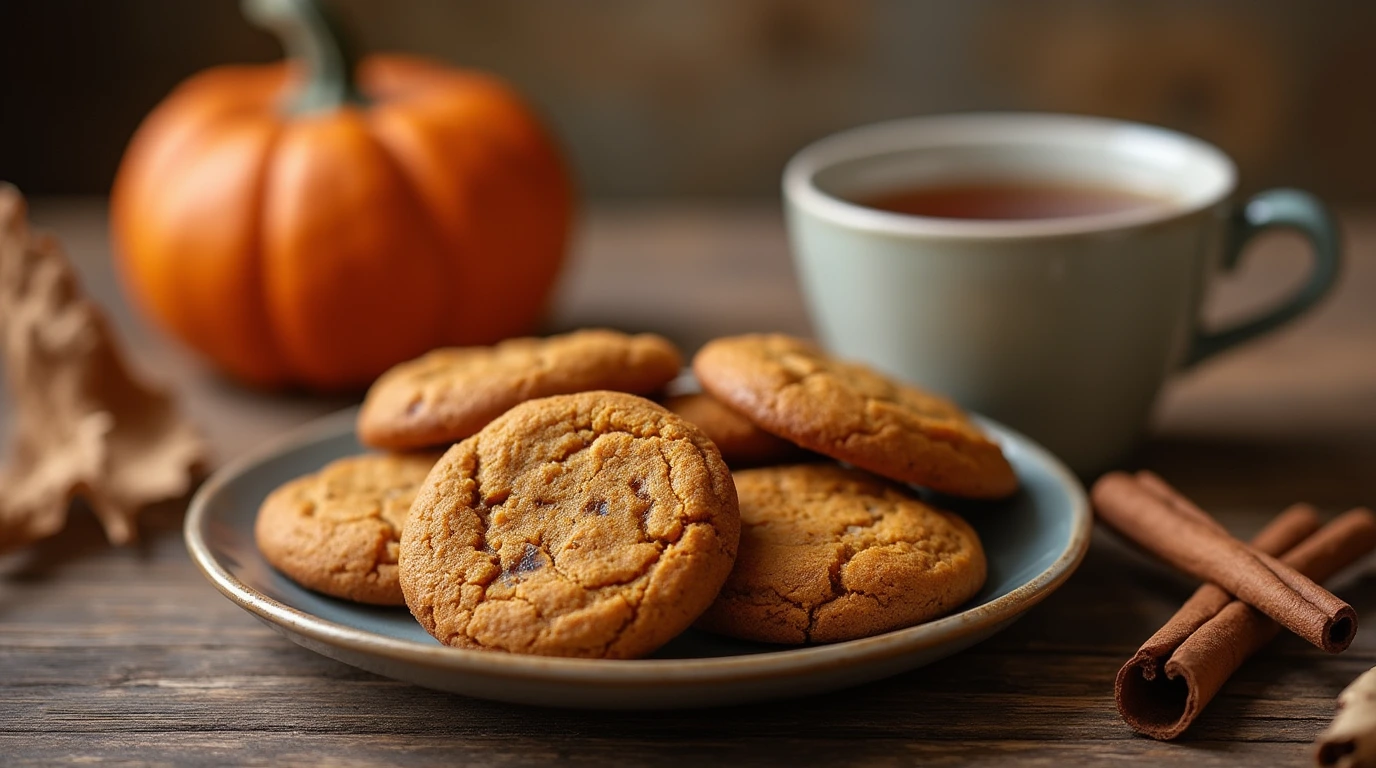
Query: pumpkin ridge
{"points": [[448, 260], [275, 351], [350, 256], [505, 216]]}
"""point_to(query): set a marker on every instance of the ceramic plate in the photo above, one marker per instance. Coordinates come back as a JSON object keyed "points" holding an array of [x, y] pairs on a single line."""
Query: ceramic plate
{"points": [[1033, 541]]}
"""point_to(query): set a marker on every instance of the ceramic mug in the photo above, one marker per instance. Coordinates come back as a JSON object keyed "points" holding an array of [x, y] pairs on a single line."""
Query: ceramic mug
{"points": [[1064, 328]]}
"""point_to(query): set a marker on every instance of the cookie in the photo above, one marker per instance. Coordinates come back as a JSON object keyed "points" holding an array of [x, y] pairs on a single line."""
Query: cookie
{"points": [[855, 414], [449, 394], [597, 525], [742, 444], [829, 554], [337, 531]]}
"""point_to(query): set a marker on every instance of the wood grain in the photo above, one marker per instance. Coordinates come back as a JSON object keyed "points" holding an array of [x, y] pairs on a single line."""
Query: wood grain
{"points": [[129, 657]]}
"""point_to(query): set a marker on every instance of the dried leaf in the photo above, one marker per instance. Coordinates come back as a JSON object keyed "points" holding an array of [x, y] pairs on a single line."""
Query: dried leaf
{"points": [[83, 424]]}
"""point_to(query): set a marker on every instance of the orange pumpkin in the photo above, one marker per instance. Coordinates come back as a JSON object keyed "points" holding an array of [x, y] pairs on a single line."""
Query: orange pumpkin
{"points": [[302, 227]]}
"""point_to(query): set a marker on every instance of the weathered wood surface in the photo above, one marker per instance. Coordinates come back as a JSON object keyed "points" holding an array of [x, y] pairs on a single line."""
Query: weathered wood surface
{"points": [[129, 657]]}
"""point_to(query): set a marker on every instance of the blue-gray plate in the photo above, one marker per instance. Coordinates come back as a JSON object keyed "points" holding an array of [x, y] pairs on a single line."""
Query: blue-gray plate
{"points": [[1034, 541]]}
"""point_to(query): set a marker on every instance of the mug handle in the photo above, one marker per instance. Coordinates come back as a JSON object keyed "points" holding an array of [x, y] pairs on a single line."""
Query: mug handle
{"points": [[1276, 209]]}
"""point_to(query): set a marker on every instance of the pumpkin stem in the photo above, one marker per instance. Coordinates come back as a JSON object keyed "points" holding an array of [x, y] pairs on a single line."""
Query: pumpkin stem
{"points": [[310, 35]]}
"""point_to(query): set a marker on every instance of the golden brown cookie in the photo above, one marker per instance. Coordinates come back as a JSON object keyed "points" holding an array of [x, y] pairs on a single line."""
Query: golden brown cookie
{"points": [[850, 412], [449, 394], [742, 444], [597, 525], [830, 554], [337, 531]]}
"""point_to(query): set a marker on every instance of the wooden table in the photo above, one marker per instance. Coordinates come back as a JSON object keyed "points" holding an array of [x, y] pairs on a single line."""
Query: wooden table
{"points": [[129, 656]]}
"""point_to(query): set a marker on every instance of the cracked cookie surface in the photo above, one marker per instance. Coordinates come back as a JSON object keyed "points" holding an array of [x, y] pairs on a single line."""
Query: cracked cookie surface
{"points": [[850, 412], [597, 525], [830, 554], [449, 394], [742, 444], [338, 531]]}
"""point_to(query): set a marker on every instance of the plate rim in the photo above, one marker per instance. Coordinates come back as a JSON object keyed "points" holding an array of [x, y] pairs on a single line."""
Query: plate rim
{"points": [[619, 672]]}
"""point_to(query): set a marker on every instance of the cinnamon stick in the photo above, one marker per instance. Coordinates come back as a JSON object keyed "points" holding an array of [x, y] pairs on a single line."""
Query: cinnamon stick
{"points": [[1177, 672], [1167, 493], [1288, 529], [1205, 552]]}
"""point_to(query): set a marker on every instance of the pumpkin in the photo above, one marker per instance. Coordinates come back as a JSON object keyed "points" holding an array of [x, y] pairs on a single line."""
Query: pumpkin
{"points": [[313, 223]]}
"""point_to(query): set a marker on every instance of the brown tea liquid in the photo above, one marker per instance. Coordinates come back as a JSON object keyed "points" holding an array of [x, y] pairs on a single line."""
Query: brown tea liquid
{"points": [[1008, 200]]}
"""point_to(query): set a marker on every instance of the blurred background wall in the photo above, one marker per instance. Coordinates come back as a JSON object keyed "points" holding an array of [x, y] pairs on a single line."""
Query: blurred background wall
{"points": [[702, 98]]}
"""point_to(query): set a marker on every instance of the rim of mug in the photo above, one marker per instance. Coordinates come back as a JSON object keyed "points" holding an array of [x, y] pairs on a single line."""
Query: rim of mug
{"points": [[982, 128]]}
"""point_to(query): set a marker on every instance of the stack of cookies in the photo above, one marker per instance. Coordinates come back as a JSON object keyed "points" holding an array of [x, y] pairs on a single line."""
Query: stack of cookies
{"points": [[571, 516]]}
